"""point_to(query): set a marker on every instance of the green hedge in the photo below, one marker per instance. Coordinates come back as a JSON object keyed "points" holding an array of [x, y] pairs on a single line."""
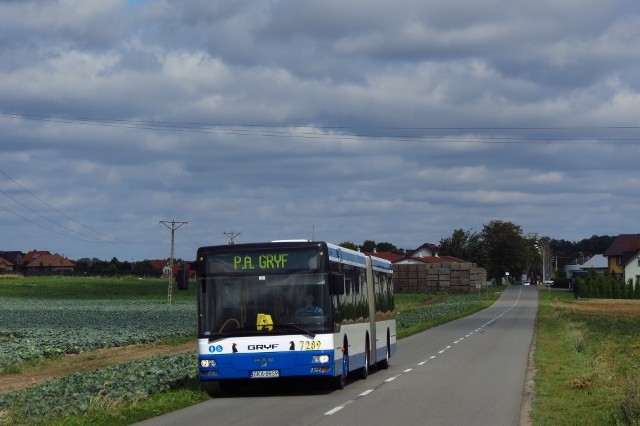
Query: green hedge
{"points": [[607, 287]]}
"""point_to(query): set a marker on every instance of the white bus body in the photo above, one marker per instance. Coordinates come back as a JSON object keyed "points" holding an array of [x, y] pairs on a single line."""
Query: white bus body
{"points": [[250, 327]]}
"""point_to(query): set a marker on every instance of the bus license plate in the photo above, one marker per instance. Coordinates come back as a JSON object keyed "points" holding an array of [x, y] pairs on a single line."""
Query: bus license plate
{"points": [[265, 374]]}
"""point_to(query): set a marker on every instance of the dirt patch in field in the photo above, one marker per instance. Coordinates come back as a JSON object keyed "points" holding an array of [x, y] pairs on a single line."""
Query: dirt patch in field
{"points": [[602, 306], [85, 362]]}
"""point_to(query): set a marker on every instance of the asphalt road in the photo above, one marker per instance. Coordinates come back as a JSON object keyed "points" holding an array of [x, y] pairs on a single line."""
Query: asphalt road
{"points": [[467, 372]]}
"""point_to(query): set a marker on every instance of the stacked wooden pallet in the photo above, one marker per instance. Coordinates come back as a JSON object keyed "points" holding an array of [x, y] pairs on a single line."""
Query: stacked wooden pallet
{"points": [[432, 277]]}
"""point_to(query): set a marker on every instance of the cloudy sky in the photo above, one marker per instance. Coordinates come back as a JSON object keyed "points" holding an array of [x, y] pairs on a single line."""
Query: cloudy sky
{"points": [[394, 121]]}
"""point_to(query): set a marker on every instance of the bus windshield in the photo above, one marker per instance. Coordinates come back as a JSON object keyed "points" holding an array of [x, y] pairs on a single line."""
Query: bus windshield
{"points": [[263, 291]]}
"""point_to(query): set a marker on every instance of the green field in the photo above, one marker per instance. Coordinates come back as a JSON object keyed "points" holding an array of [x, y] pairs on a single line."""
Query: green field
{"points": [[50, 318], [587, 360]]}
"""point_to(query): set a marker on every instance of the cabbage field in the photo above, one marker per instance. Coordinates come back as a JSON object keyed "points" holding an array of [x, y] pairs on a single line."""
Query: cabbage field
{"points": [[33, 328], [43, 318], [452, 305], [79, 393]]}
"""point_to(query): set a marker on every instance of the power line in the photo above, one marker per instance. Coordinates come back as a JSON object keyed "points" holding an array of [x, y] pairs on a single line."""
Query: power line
{"points": [[45, 228], [49, 220], [293, 130], [108, 237], [174, 124]]}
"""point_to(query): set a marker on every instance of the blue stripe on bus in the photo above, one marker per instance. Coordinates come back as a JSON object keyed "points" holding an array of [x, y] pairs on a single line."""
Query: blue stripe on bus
{"points": [[382, 264], [288, 364], [340, 255]]}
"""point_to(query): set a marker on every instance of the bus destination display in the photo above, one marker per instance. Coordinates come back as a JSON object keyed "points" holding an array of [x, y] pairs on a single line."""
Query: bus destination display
{"points": [[263, 261]]}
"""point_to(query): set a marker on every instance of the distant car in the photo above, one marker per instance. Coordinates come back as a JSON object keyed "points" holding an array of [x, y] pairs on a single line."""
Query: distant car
{"points": [[527, 282]]}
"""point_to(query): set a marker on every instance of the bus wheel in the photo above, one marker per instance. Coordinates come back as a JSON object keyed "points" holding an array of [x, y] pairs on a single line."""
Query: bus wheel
{"points": [[384, 364], [364, 371], [339, 382]]}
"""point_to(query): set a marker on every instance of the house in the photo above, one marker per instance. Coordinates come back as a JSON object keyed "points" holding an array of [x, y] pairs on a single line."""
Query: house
{"points": [[429, 259], [424, 270], [425, 250], [31, 256], [631, 268], [47, 263], [596, 263], [5, 265], [161, 265], [386, 255], [620, 250], [14, 257]]}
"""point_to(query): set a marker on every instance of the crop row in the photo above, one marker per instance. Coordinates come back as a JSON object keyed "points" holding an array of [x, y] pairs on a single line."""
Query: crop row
{"points": [[34, 328], [454, 304], [77, 394]]}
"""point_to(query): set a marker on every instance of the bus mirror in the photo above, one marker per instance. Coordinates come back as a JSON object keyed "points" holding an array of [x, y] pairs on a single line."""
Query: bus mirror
{"points": [[336, 283], [182, 278]]}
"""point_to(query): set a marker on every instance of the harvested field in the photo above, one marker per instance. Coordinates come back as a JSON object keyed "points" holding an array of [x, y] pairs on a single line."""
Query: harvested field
{"points": [[602, 306]]}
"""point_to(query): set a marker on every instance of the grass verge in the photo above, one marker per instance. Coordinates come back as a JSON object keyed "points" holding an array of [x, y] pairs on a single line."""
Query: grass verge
{"points": [[588, 362]]}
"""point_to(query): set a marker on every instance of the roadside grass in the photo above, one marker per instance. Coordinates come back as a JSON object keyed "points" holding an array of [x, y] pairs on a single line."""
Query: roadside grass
{"points": [[106, 411], [588, 362]]}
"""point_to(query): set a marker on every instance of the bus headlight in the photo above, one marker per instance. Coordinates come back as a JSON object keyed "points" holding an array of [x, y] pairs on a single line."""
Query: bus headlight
{"points": [[320, 359], [206, 363]]}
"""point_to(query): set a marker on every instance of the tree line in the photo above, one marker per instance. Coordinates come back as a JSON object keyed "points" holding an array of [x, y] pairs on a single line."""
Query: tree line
{"points": [[94, 266], [502, 247]]}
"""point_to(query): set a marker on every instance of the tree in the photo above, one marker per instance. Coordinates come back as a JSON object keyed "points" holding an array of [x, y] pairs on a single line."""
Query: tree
{"points": [[565, 252], [368, 246], [507, 250], [388, 247], [465, 245], [145, 268], [349, 245]]}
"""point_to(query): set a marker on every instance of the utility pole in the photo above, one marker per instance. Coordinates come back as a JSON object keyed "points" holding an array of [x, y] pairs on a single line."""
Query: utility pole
{"points": [[231, 235], [173, 225]]}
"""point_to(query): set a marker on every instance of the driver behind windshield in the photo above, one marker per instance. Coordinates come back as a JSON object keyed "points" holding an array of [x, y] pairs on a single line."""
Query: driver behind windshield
{"points": [[309, 307]]}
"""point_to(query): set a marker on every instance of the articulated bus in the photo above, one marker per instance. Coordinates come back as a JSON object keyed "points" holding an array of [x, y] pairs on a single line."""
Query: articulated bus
{"points": [[293, 309]]}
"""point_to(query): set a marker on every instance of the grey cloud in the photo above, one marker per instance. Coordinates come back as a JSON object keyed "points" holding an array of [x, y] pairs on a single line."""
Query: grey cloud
{"points": [[396, 122]]}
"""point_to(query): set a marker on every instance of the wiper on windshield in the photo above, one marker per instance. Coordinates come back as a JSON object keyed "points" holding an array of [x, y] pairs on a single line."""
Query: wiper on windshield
{"points": [[251, 330], [304, 331]]}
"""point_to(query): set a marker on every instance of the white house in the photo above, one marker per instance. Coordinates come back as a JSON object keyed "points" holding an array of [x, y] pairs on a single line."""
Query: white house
{"points": [[631, 267], [597, 263]]}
